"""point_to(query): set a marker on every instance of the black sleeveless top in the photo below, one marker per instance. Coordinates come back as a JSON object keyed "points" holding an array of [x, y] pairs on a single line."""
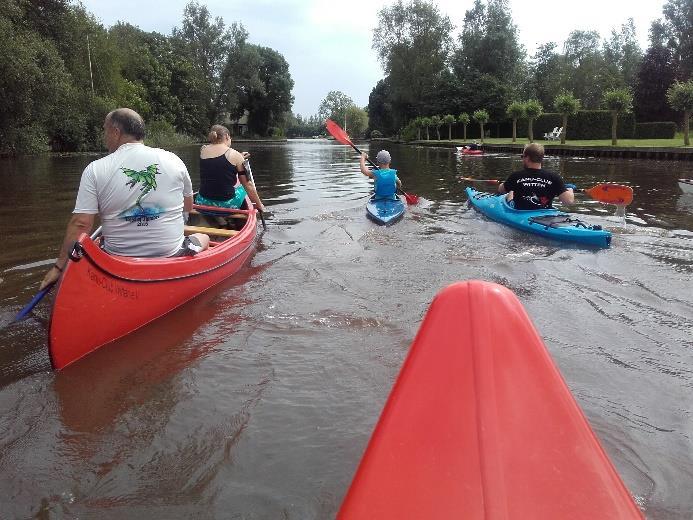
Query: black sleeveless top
{"points": [[217, 178]]}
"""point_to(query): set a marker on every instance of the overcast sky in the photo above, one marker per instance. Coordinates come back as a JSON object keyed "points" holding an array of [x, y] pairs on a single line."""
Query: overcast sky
{"points": [[327, 43]]}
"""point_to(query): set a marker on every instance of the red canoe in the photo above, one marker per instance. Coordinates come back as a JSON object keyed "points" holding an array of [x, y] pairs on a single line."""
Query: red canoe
{"points": [[103, 297], [481, 425]]}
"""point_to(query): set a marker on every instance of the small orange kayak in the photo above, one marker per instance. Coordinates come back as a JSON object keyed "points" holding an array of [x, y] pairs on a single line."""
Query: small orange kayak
{"points": [[481, 425]]}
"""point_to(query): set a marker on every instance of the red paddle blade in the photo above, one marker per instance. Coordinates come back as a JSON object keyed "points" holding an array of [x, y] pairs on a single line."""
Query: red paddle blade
{"points": [[617, 194], [411, 198], [336, 131]]}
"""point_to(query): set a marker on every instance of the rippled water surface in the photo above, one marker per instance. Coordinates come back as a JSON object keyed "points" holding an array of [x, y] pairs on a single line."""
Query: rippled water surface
{"points": [[256, 399]]}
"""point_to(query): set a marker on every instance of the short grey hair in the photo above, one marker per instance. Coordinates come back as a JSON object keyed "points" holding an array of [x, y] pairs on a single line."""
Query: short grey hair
{"points": [[128, 122]]}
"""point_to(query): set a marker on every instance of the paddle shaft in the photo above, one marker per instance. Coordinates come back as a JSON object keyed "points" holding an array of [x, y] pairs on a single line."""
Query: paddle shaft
{"points": [[39, 295], [250, 174]]}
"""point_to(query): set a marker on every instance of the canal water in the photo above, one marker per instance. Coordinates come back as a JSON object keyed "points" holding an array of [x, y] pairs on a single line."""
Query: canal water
{"points": [[256, 400]]}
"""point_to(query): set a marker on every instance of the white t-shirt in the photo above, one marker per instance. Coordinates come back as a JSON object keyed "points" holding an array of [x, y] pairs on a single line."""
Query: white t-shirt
{"points": [[138, 192]]}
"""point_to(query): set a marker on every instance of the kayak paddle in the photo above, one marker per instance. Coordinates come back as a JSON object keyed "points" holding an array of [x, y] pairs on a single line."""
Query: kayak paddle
{"points": [[608, 193], [341, 137]]}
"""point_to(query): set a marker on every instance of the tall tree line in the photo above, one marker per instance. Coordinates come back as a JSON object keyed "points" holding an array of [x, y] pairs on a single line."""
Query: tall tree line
{"points": [[61, 71], [432, 70]]}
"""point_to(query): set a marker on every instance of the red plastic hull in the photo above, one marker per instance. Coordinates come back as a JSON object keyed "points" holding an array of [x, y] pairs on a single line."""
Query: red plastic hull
{"points": [[102, 297], [481, 425], [472, 152]]}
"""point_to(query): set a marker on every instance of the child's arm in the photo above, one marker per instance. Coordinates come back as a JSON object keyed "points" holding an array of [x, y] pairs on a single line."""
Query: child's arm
{"points": [[364, 168]]}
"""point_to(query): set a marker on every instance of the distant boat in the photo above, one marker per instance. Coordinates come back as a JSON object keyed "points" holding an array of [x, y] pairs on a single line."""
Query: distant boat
{"points": [[686, 185]]}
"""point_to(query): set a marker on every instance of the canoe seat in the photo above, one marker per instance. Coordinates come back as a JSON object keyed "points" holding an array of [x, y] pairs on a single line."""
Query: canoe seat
{"points": [[189, 230], [227, 215]]}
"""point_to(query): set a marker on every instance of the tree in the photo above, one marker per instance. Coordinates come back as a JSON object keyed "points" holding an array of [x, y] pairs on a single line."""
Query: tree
{"points": [[449, 120], [678, 16], [418, 124], [436, 122], [489, 59], [205, 41], [567, 105], [585, 68], [358, 120], [271, 102], [412, 41], [481, 117], [427, 123], [622, 55], [489, 41], [464, 119], [33, 81], [334, 107], [533, 109], [515, 111], [618, 101], [380, 108], [547, 69], [680, 97], [656, 74]]}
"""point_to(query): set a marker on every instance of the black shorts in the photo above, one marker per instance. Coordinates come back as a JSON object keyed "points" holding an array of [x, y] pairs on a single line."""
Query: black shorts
{"points": [[190, 247]]}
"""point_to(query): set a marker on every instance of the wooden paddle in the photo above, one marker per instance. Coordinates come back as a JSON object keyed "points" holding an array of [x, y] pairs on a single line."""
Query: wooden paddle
{"points": [[341, 136], [607, 192]]}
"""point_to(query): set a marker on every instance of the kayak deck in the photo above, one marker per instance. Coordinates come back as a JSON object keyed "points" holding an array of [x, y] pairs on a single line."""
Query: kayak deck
{"points": [[549, 223], [385, 211], [481, 425]]}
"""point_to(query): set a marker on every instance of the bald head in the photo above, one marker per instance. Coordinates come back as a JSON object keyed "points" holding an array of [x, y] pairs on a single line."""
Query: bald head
{"points": [[128, 122]]}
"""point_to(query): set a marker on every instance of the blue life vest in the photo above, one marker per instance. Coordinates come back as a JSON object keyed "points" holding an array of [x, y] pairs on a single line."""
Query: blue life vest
{"points": [[385, 183]]}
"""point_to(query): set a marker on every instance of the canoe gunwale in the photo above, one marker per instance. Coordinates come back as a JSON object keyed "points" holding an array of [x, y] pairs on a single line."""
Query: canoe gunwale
{"points": [[93, 259]]}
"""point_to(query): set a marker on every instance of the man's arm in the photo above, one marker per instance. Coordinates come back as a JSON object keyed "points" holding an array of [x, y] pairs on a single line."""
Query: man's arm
{"points": [[187, 204], [567, 197], [501, 188], [79, 223]]}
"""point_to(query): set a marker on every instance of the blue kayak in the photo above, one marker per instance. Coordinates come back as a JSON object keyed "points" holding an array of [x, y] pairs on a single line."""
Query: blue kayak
{"points": [[549, 223], [385, 211]]}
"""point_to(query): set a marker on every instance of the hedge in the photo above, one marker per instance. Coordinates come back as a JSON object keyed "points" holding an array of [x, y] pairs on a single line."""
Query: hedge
{"points": [[586, 124], [659, 130]]}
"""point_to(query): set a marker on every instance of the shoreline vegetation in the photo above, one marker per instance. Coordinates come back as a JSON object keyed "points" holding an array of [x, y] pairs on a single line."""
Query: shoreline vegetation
{"points": [[468, 76], [587, 143]]}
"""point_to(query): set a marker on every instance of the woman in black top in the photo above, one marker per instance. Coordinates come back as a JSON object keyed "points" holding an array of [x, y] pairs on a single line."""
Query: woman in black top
{"points": [[223, 179]]}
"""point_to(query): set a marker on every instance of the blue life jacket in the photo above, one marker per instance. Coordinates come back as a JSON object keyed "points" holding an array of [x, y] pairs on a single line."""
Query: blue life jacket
{"points": [[385, 183]]}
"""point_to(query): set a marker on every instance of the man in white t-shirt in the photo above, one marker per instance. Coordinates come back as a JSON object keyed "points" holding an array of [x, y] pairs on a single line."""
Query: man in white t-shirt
{"points": [[140, 194]]}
